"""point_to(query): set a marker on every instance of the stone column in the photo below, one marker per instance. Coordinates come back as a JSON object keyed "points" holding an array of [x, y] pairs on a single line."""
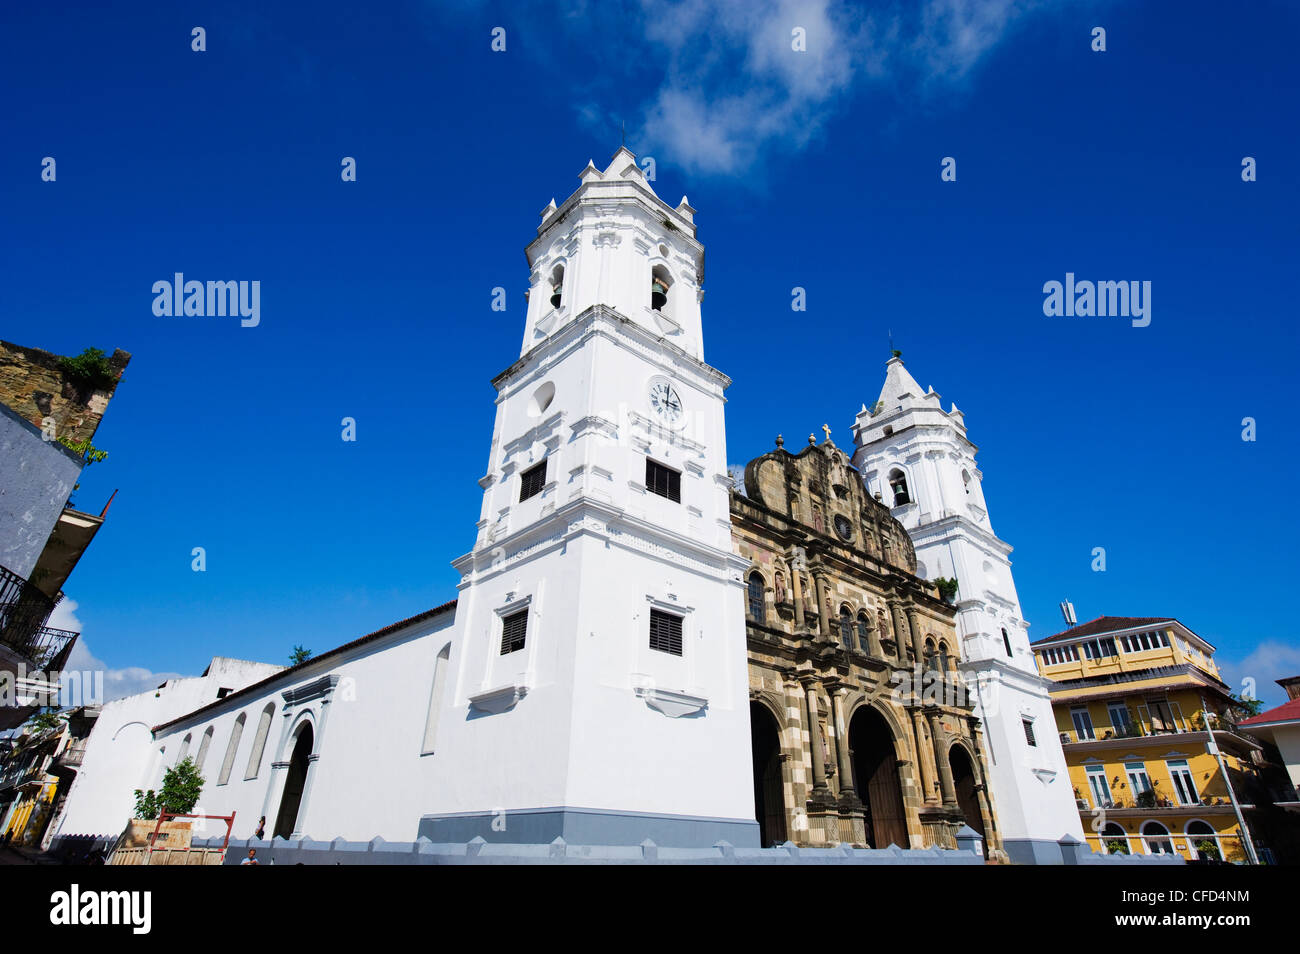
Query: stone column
{"points": [[796, 587], [842, 742], [925, 773], [815, 740], [914, 624], [823, 603], [902, 637], [941, 757]]}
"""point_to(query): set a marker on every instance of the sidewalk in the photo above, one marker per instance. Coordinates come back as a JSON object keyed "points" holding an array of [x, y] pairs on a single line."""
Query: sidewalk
{"points": [[25, 856]]}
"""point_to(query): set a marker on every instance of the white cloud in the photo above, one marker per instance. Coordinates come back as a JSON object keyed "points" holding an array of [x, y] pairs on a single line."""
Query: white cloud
{"points": [[1271, 660], [117, 682]]}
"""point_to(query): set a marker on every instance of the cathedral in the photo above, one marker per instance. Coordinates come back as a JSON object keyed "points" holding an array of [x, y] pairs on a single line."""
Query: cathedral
{"points": [[642, 646]]}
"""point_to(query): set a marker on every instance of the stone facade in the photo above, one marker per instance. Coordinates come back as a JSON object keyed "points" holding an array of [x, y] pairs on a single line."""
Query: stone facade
{"points": [[32, 385], [860, 734]]}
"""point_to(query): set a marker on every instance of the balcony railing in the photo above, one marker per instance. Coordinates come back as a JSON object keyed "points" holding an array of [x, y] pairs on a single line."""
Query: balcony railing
{"points": [[74, 754], [24, 610]]}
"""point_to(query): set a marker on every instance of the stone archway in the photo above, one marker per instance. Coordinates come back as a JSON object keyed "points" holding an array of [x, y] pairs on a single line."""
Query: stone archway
{"points": [[769, 787], [875, 771], [294, 783], [964, 781]]}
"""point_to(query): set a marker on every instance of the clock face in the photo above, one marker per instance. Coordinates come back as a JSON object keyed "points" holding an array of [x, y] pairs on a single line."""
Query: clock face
{"points": [[666, 402]]}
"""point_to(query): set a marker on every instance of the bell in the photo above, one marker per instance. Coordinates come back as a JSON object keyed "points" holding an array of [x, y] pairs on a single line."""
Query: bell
{"points": [[555, 296], [658, 294]]}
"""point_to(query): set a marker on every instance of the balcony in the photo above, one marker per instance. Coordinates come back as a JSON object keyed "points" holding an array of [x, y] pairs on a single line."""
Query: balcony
{"points": [[74, 754]]}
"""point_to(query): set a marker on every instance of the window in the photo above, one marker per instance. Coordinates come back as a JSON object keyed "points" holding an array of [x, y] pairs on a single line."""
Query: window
{"points": [[864, 632], [1204, 841], [1006, 641], [665, 632], [1142, 642], [1156, 837], [1099, 648], [204, 743], [1119, 718], [1115, 839], [435, 700], [222, 693], [846, 627], [532, 481], [898, 484], [1184, 784], [185, 748], [663, 481], [1099, 786], [929, 655], [1061, 654], [232, 748], [1082, 724], [1162, 719], [757, 608], [1138, 780], [514, 629], [944, 664], [259, 742], [1029, 731]]}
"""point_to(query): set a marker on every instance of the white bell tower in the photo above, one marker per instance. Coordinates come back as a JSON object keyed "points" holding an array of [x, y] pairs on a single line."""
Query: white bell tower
{"points": [[598, 689], [916, 457]]}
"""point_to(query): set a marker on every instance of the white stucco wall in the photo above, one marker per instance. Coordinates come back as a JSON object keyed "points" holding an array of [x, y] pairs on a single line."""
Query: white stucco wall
{"points": [[121, 755]]}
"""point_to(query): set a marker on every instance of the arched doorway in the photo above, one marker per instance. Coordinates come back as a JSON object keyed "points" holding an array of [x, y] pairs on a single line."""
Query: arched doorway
{"points": [[963, 780], [875, 775], [294, 782], [769, 792]]}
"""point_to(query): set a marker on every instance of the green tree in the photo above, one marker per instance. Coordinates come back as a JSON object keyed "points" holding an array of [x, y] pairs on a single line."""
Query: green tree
{"points": [[182, 785], [43, 722], [299, 655]]}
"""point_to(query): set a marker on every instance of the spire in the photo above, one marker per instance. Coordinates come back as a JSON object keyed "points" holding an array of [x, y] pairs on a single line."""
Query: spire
{"points": [[899, 384]]}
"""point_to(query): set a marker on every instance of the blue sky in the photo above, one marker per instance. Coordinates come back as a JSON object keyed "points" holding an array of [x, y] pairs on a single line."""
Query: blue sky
{"points": [[816, 169]]}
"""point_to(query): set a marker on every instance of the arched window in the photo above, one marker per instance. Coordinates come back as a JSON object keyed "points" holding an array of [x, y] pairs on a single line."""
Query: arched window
{"points": [[259, 741], [440, 666], [864, 632], [965, 482], [557, 285], [819, 522], [1006, 641], [1114, 839], [184, 749], [944, 663], [232, 747], [898, 484], [846, 627], [203, 749], [929, 655], [1204, 841], [1156, 838], [757, 610], [660, 283]]}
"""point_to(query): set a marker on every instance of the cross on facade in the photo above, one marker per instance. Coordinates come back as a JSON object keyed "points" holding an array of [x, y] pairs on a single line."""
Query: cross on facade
{"points": [[827, 431]]}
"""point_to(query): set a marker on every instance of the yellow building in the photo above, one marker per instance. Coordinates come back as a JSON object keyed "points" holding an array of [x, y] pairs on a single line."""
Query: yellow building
{"points": [[1130, 701]]}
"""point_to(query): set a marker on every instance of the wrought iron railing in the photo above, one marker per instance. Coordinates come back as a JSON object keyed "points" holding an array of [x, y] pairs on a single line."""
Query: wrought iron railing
{"points": [[24, 610]]}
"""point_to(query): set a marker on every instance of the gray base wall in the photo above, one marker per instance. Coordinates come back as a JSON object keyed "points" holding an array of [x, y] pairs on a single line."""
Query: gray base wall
{"points": [[304, 851], [588, 826]]}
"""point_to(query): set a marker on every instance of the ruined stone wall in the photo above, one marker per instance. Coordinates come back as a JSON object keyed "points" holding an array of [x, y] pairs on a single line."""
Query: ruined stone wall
{"points": [[33, 386]]}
